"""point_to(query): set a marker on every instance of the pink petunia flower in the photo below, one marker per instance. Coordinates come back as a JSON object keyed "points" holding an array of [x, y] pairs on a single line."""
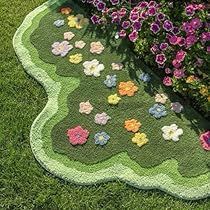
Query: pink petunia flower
{"points": [[179, 73], [205, 140], [167, 81], [77, 135], [160, 58], [180, 56], [176, 63], [133, 36], [168, 71]]}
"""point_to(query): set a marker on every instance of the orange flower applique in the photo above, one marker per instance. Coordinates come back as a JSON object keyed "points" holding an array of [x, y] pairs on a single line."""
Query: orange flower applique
{"points": [[66, 10], [127, 88], [132, 125]]}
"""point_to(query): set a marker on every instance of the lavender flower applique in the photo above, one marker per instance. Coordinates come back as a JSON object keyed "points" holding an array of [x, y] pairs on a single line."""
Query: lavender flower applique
{"points": [[61, 48]]}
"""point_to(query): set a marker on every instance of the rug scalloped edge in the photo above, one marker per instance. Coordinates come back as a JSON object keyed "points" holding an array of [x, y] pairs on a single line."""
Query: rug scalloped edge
{"points": [[118, 171]]}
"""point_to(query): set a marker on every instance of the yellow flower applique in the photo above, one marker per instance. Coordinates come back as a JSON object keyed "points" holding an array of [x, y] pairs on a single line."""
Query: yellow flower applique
{"points": [[140, 139], [113, 99], [77, 21], [76, 58]]}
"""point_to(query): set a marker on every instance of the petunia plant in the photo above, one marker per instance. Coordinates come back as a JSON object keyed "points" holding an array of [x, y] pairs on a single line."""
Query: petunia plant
{"points": [[171, 38]]}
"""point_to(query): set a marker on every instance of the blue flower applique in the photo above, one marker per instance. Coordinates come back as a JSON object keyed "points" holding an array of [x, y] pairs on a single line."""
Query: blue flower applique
{"points": [[158, 111], [145, 77], [58, 23], [101, 138], [111, 81]]}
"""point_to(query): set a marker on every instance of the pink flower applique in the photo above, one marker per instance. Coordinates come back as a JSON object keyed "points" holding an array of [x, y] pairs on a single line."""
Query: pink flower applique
{"points": [[85, 107], [77, 135]]}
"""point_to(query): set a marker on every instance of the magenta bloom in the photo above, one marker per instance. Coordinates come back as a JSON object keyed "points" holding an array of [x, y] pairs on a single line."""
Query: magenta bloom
{"points": [[190, 41], [155, 28], [188, 28], [137, 26], [181, 42], [101, 6], [205, 36], [134, 17], [205, 140], [77, 135], [126, 24], [160, 16], [179, 73], [180, 56], [160, 58], [152, 4], [167, 81], [122, 12], [95, 19], [196, 23], [133, 36], [175, 30], [115, 2], [190, 10], [168, 25], [174, 40], [143, 4], [208, 49], [176, 63], [115, 17], [163, 46], [168, 71], [152, 11], [122, 33], [143, 15], [154, 49]]}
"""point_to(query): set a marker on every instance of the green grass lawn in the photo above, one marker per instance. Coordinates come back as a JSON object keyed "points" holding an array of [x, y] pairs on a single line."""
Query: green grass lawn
{"points": [[23, 183]]}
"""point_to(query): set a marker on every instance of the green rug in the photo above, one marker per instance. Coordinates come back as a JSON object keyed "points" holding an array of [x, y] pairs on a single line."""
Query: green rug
{"points": [[79, 101]]}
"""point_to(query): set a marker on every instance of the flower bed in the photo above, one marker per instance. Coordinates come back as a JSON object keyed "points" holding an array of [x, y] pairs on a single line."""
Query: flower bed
{"points": [[172, 38]]}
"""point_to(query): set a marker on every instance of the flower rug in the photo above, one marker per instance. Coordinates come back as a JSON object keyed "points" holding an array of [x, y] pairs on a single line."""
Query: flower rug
{"points": [[108, 117]]}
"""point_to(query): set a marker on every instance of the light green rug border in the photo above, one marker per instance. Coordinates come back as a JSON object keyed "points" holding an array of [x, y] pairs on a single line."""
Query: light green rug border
{"points": [[61, 166]]}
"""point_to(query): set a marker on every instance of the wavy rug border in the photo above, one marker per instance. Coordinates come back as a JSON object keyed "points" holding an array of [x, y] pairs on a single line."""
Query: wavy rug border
{"points": [[117, 171]]}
